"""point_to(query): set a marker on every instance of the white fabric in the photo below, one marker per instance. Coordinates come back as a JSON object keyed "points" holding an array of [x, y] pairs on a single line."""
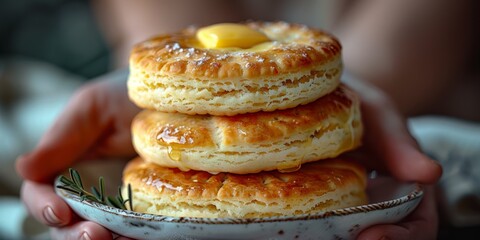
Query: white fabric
{"points": [[456, 145]]}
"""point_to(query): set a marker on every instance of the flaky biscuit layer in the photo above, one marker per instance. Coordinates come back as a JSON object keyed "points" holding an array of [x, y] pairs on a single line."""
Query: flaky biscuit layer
{"points": [[319, 186], [171, 73], [254, 142]]}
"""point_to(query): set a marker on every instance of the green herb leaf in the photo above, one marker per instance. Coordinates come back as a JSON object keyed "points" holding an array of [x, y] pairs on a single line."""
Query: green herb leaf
{"points": [[74, 185], [130, 197], [115, 203], [76, 178], [97, 194], [101, 184]]}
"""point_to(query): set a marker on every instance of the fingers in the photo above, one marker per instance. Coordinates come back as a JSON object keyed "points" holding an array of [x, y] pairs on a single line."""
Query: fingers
{"points": [[51, 210], [421, 224], [84, 230], [388, 138], [45, 205]]}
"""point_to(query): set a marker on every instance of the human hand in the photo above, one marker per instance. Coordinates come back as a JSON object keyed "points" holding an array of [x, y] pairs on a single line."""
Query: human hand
{"points": [[388, 147], [95, 124]]}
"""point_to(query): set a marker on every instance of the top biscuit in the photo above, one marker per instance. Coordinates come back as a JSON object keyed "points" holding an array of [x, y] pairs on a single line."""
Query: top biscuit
{"points": [[176, 73]]}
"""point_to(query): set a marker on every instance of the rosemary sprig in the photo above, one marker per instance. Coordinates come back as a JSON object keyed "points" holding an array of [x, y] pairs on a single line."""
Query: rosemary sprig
{"points": [[74, 185]]}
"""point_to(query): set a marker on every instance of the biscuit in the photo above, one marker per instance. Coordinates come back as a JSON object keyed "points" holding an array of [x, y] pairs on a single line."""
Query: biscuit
{"points": [[319, 186], [253, 142], [173, 73]]}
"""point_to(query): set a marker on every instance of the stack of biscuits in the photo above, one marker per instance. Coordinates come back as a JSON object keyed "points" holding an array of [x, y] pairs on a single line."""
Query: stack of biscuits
{"points": [[251, 128]]}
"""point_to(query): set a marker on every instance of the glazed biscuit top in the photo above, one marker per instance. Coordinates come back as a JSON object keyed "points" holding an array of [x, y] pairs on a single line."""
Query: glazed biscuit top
{"points": [[269, 49], [315, 179], [186, 131]]}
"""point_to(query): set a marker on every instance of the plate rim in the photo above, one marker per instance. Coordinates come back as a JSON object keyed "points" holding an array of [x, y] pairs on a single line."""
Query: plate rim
{"points": [[416, 193]]}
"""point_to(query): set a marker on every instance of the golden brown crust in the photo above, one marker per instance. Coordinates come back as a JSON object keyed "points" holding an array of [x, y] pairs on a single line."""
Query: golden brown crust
{"points": [[249, 143], [313, 182], [187, 131], [255, 128], [170, 73], [295, 47]]}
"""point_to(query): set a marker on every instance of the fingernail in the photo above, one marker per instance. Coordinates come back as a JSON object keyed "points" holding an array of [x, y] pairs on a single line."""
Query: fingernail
{"points": [[51, 217], [85, 236]]}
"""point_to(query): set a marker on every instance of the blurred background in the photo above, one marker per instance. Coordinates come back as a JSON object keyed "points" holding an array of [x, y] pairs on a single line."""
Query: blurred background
{"points": [[49, 48]]}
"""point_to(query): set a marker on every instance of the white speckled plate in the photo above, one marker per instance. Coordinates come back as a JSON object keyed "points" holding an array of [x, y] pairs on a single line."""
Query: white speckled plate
{"points": [[390, 201]]}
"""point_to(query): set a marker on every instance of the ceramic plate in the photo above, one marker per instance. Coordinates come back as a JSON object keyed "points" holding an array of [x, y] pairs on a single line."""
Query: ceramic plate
{"points": [[389, 200]]}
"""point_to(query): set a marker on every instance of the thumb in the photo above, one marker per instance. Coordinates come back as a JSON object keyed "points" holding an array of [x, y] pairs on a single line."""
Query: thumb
{"points": [[72, 134], [389, 139]]}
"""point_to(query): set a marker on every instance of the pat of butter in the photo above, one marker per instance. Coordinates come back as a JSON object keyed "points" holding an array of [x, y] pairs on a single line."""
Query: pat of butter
{"points": [[230, 35]]}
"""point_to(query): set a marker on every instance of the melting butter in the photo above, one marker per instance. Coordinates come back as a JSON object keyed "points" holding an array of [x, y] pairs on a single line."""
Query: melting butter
{"points": [[230, 35]]}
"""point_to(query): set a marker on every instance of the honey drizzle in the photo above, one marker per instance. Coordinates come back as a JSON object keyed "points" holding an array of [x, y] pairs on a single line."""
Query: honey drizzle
{"points": [[174, 154], [296, 166], [297, 163]]}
